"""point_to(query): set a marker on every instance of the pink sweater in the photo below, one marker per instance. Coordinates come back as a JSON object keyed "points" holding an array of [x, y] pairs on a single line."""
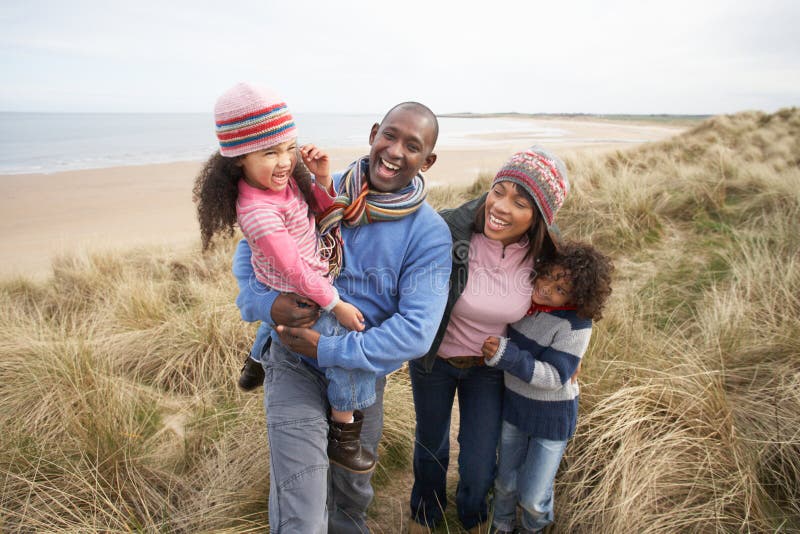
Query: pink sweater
{"points": [[498, 292], [283, 237]]}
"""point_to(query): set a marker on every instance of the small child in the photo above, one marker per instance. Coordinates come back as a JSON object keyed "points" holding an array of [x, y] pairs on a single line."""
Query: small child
{"points": [[540, 356], [255, 181]]}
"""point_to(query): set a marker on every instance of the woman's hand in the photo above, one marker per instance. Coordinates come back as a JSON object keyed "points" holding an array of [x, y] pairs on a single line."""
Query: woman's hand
{"points": [[318, 163]]}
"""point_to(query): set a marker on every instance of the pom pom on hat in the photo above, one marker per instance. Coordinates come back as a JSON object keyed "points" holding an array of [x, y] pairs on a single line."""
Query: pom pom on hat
{"points": [[251, 117], [542, 175]]}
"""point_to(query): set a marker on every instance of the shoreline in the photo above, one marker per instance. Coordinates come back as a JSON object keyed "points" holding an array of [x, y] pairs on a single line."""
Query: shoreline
{"points": [[119, 208]]}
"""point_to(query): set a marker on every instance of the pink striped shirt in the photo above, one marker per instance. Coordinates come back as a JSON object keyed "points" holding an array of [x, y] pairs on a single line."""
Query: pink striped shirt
{"points": [[283, 237], [498, 292]]}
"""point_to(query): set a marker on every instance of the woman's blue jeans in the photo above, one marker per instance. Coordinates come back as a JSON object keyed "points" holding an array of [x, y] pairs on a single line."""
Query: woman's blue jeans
{"points": [[526, 471], [480, 398]]}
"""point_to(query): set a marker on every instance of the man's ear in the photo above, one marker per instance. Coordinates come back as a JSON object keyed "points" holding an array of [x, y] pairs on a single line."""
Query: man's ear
{"points": [[373, 132], [429, 161]]}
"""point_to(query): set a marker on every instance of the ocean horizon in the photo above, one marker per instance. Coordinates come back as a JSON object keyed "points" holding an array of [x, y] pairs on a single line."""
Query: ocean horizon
{"points": [[43, 142]]}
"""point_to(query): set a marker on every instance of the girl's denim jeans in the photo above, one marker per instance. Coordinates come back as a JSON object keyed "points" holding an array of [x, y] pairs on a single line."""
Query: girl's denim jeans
{"points": [[348, 389]]}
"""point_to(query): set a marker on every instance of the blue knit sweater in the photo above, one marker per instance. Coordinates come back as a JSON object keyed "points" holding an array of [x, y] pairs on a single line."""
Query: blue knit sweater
{"points": [[539, 356], [395, 272]]}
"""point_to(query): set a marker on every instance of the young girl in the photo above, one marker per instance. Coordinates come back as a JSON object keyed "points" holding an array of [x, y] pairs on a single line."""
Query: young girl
{"points": [[541, 353], [255, 181]]}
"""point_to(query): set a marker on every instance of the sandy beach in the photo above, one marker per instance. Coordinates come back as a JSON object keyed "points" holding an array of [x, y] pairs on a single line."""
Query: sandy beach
{"points": [[45, 215]]}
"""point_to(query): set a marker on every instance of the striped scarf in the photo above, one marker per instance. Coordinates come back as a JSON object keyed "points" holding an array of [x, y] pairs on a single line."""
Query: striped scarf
{"points": [[357, 204]]}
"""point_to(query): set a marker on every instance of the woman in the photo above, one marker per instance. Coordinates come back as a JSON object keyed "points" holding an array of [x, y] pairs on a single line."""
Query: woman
{"points": [[497, 240]]}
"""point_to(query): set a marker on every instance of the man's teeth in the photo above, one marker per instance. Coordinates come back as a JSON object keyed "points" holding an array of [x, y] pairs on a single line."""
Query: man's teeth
{"points": [[496, 221], [389, 165]]}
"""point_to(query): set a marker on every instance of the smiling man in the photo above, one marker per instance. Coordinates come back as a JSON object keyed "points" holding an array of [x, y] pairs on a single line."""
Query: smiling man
{"points": [[399, 148], [395, 270]]}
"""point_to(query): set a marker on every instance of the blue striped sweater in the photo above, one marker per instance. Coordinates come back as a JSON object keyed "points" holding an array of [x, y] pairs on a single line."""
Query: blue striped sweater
{"points": [[539, 356]]}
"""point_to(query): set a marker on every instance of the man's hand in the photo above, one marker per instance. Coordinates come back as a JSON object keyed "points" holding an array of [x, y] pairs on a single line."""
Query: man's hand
{"points": [[293, 310], [300, 340], [490, 347]]}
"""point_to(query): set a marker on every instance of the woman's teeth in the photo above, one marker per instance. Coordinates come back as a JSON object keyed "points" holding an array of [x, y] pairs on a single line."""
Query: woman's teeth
{"points": [[497, 222]]}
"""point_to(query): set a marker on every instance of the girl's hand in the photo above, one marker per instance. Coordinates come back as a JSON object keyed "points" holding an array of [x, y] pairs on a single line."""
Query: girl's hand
{"points": [[490, 347], [318, 163], [349, 316]]}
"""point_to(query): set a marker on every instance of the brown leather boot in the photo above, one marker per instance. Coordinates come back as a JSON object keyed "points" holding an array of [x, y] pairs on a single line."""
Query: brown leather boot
{"points": [[344, 445]]}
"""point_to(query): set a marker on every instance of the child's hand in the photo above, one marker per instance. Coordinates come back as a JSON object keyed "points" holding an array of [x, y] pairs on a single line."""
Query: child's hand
{"points": [[349, 316], [318, 163], [574, 377], [490, 347]]}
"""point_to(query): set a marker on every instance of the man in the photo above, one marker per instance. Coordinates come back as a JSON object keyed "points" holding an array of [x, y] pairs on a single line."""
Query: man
{"points": [[395, 271]]}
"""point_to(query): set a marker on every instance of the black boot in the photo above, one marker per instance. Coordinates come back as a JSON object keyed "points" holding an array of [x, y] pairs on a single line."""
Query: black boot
{"points": [[252, 374], [344, 446]]}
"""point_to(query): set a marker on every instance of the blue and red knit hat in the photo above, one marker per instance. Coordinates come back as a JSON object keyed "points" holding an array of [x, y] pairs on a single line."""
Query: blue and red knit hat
{"points": [[251, 117], [542, 175]]}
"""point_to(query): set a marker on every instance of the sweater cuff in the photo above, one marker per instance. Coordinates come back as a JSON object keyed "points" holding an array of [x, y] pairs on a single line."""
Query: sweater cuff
{"points": [[501, 349], [330, 191], [333, 302]]}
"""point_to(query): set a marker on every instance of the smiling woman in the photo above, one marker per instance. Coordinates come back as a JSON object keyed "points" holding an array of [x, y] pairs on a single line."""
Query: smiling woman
{"points": [[508, 213], [507, 232]]}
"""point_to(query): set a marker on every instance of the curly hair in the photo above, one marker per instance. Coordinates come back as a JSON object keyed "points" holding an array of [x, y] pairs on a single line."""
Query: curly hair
{"points": [[589, 270], [217, 186]]}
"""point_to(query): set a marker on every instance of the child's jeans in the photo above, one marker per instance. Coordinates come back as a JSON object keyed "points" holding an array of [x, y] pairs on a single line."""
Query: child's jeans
{"points": [[348, 389], [526, 470]]}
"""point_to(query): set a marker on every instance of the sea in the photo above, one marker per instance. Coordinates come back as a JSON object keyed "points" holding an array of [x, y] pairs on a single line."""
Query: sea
{"points": [[55, 142]]}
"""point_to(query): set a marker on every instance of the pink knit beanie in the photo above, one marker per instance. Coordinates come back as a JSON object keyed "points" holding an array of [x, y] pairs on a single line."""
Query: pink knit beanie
{"points": [[251, 117], [542, 175]]}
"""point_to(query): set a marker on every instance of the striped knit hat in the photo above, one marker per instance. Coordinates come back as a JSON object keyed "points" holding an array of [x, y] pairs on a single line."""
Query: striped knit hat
{"points": [[542, 175], [250, 118]]}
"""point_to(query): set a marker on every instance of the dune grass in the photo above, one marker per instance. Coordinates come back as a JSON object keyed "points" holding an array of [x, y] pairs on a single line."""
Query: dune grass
{"points": [[118, 410]]}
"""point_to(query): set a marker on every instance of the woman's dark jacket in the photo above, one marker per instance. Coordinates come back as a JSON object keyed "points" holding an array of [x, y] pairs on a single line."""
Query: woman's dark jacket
{"points": [[461, 221]]}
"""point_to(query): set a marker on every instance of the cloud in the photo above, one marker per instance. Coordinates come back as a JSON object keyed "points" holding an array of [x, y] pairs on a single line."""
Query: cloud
{"points": [[615, 56]]}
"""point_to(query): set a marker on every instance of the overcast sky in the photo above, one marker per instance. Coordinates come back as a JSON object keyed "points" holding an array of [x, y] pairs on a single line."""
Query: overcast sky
{"points": [[611, 56]]}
